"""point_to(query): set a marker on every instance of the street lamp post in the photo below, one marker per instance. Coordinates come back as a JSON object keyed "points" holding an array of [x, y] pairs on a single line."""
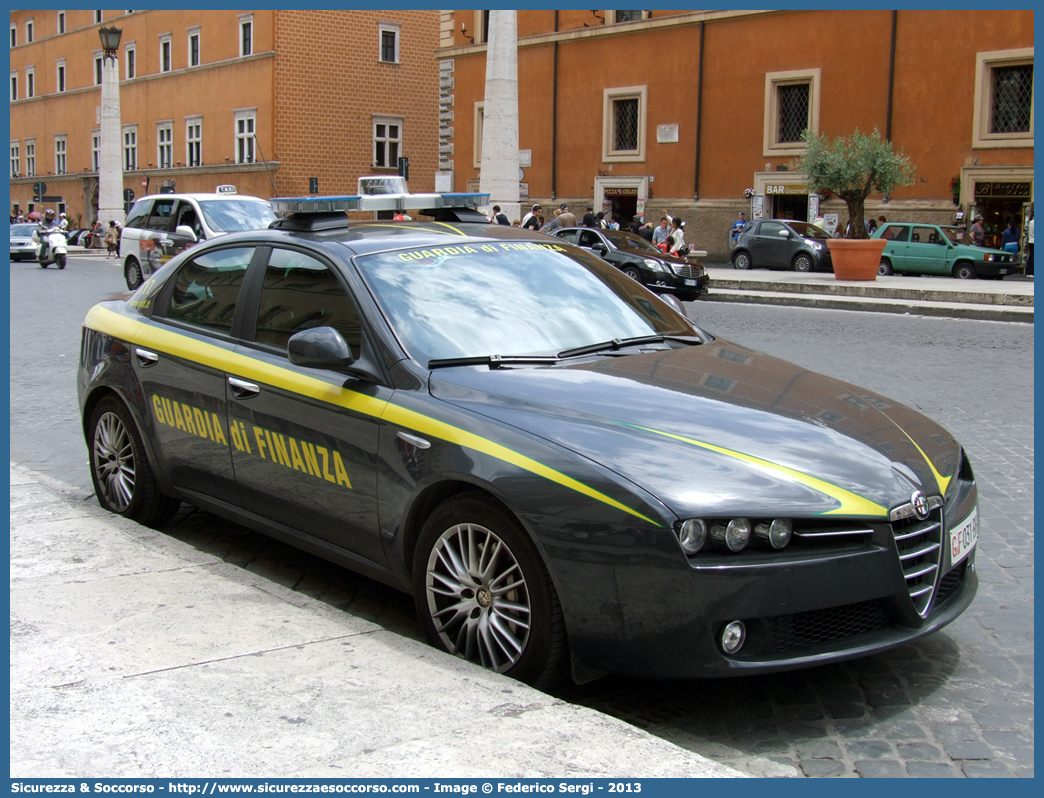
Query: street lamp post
{"points": [[110, 168]]}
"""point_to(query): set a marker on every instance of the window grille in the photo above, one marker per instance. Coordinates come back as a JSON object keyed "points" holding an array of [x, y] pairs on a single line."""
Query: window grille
{"points": [[793, 112], [1012, 99]]}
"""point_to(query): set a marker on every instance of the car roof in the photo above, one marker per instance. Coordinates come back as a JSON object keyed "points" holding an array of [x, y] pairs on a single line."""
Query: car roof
{"points": [[203, 196]]}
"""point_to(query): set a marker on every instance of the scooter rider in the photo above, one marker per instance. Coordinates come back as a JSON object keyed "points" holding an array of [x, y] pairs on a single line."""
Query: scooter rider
{"points": [[47, 225]]}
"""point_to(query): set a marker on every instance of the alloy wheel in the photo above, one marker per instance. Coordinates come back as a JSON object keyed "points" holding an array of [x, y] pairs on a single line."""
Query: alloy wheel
{"points": [[114, 461], [477, 597]]}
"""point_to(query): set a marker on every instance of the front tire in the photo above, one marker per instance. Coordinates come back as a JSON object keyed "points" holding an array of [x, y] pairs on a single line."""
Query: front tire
{"points": [[633, 273], [123, 478], [741, 260], [963, 270], [885, 268], [59, 260], [132, 274], [802, 263], [482, 592]]}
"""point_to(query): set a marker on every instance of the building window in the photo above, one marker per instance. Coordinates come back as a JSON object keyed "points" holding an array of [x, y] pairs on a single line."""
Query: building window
{"points": [[164, 145], [130, 53], [14, 85], [165, 52], [193, 47], [97, 69], [28, 31], [1003, 112], [194, 141], [30, 82], [791, 107], [16, 158], [14, 35], [95, 150], [389, 43], [97, 16], [387, 140], [246, 35], [60, 76], [130, 148], [480, 119], [481, 27], [626, 16], [30, 158], [623, 124], [59, 154], [246, 121], [61, 22]]}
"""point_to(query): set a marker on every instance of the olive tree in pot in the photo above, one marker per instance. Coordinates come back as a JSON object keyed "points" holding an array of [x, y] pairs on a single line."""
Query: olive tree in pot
{"points": [[852, 167]]}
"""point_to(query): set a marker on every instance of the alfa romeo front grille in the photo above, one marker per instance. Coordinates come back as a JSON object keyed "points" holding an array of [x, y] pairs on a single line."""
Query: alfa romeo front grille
{"points": [[919, 544]]}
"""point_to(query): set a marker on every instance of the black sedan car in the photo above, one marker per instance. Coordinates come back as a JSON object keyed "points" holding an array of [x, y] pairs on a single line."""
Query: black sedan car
{"points": [[566, 473], [779, 244], [641, 261]]}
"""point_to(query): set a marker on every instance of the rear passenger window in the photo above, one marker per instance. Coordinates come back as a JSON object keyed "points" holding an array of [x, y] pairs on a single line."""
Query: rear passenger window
{"points": [[206, 290], [895, 233], [300, 293], [159, 219], [139, 214]]}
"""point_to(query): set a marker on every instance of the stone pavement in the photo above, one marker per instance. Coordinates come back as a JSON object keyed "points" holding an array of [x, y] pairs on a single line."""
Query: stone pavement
{"points": [[134, 654]]}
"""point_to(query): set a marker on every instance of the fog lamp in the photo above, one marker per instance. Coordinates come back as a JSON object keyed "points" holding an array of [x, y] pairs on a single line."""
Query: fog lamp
{"points": [[775, 535], [735, 536], [733, 637], [692, 535]]}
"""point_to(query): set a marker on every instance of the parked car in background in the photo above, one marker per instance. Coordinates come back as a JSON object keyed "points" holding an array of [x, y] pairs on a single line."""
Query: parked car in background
{"points": [[22, 245], [641, 261], [915, 248], [782, 244], [161, 225]]}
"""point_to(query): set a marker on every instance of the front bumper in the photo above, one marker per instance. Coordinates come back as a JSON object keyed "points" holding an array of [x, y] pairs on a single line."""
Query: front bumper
{"points": [[808, 607], [23, 251], [684, 279], [985, 268]]}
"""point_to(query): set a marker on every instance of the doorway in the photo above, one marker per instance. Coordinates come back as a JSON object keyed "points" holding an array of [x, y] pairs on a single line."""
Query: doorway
{"points": [[1000, 203], [792, 207]]}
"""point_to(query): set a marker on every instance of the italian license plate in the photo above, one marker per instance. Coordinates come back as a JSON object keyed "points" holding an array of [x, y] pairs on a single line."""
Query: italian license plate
{"points": [[1002, 271], [690, 282], [964, 537]]}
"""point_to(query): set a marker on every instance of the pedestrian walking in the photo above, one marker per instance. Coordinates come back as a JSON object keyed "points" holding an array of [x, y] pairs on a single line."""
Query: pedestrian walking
{"points": [[533, 220], [566, 218], [737, 227], [978, 232], [498, 217], [530, 215], [112, 238], [871, 225], [1010, 238]]}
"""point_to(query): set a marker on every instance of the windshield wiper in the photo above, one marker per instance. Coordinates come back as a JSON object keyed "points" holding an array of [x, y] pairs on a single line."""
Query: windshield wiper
{"points": [[494, 361], [620, 343]]}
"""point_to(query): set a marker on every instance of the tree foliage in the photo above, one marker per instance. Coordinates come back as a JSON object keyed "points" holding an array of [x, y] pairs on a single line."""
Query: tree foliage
{"points": [[853, 167]]}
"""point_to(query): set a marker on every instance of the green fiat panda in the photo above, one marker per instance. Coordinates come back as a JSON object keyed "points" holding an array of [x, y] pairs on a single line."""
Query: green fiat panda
{"points": [[939, 249]]}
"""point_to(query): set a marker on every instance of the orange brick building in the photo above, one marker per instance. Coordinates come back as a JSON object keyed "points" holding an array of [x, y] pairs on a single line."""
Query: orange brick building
{"points": [[260, 99], [637, 111]]}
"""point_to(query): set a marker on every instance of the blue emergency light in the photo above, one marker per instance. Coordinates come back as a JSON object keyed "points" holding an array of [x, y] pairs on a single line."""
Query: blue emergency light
{"points": [[378, 193]]}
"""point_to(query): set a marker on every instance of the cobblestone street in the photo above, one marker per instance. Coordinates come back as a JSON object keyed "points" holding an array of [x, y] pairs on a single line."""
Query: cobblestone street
{"points": [[959, 703]]}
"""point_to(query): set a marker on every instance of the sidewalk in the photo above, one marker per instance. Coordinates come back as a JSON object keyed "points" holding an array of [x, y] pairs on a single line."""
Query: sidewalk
{"points": [[1010, 299], [135, 655]]}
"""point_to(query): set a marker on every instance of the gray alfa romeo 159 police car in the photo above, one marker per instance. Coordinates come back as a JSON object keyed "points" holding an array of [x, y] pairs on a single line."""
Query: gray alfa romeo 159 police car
{"points": [[566, 473]]}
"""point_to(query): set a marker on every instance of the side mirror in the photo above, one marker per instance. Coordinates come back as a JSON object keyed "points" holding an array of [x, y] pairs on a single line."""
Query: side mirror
{"points": [[319, 347], [187, 232], [599, 247], [784, 233]]}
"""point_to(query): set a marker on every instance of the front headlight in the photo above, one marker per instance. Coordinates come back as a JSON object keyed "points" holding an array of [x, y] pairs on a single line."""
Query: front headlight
{"points": [[988, 258], [815, 245], [655, 265]]}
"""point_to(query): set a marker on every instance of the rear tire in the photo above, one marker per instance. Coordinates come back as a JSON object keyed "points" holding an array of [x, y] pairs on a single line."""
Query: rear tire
{"points": [[483, 593], [123, 478], [885, 268], [741, 260], [963, 270], [132, 274]]}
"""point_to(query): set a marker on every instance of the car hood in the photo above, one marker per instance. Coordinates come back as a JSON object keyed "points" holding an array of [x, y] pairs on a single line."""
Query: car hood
{"points": [[718, 429]]}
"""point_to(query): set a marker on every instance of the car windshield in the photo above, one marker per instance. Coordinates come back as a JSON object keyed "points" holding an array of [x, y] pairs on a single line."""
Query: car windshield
{"points": [[958, 235], [632, 242], [510, 298], [808, 230], [236, 215], [22, 229]]}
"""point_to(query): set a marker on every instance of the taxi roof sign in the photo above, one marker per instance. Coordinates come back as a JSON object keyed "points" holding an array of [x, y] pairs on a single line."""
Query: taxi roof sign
{"points": [[225, 189]]}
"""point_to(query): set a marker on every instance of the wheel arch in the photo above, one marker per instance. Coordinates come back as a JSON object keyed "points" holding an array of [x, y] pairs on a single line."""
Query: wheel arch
{"points": [[963, 262]]}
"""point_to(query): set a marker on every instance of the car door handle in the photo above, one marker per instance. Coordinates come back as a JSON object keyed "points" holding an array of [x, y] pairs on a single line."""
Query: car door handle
{"points": [[242, 389], [146, 358]]}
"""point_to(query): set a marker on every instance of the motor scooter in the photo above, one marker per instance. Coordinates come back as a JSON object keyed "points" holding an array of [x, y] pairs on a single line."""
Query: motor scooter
{"points": [[57, 248]]}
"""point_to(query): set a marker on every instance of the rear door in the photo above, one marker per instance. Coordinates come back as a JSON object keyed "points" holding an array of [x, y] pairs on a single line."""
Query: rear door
{"points": [[182, 371], [304, 440]]}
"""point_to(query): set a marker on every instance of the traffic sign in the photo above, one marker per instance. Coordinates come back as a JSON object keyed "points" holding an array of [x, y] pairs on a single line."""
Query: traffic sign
{"points": [[128, 195], [39, 188]]}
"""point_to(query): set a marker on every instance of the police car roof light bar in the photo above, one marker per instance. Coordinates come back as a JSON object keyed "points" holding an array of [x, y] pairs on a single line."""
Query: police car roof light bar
{"points": [[380, 202]]}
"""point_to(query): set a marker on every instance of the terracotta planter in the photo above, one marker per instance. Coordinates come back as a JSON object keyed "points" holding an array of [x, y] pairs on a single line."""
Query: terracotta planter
{"points": [[856, 258]]}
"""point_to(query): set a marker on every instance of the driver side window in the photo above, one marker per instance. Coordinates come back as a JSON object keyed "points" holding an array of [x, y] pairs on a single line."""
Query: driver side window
{"points": [[588, 238]]}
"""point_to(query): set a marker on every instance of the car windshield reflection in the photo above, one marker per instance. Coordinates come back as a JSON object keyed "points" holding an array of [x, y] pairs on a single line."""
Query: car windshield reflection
{"points": [[235, 216], [808, 230], [510, 299], [633, 242], [957, 235]]}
